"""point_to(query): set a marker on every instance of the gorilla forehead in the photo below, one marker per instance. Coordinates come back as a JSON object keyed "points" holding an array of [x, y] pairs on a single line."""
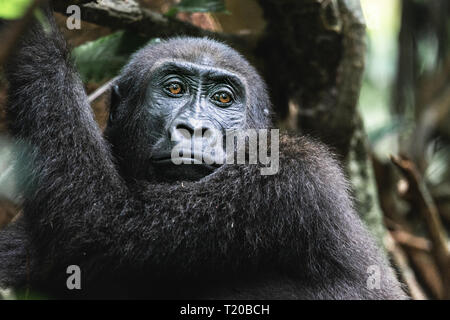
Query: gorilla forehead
{"points": [[201, 51]]}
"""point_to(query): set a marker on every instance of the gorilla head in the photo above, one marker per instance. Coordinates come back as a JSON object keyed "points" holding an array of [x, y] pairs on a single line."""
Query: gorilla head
{"points": [[173, 89]]}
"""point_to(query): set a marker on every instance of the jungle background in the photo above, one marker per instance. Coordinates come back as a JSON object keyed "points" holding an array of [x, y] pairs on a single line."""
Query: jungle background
{"points": [[370, 78]]}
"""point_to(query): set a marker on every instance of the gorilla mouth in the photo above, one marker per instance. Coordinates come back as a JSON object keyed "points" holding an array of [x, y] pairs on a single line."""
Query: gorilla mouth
{"points": [[190, 168], [195, 158]]}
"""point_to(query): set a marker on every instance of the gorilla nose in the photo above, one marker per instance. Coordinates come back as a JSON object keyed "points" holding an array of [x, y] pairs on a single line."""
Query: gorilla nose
{"points": [[187, 131], [200, 130]]}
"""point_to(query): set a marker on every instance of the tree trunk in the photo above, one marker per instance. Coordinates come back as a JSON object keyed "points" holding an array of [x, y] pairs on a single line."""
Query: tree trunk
{"points": [[312, 56]]}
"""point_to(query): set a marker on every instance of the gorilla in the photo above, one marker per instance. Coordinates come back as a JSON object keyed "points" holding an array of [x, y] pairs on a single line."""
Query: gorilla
{"points": [[139, 226]]}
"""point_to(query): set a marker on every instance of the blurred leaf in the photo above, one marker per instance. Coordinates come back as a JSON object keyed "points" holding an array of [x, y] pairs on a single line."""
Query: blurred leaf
{"points": [[172, 12], [438, 165], [13, 9], [393, 126], [103, 58], [200, 6]]}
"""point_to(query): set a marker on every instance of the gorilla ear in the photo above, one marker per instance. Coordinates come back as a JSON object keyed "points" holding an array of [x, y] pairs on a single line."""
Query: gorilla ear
{"points": [[114, 102]]}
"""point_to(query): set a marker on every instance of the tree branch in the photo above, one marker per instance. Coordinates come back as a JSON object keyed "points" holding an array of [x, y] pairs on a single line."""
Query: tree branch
{"points": [[430, 214], [401, 261], [118, 14], [100, 91], [407, 239]]}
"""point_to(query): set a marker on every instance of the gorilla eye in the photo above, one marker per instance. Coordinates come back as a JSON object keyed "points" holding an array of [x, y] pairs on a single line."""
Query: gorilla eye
{"points": [[222, 97], [174, 88]]}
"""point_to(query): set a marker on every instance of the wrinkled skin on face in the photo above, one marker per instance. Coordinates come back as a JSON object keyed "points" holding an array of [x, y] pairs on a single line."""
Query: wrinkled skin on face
{"points": [[191, 104], [186, 99]]}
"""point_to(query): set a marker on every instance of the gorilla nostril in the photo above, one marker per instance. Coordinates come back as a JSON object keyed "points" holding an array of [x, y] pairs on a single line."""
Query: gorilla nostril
{"points": [[181, 131], [188, 131], [183, 126]]}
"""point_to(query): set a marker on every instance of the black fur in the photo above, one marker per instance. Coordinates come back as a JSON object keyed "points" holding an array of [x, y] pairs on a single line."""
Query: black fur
{"points": [[233, 234]]}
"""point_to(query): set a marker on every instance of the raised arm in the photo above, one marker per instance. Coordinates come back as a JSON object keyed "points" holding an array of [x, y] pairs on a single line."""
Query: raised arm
{"points": [[61, 150], [64, 166]]}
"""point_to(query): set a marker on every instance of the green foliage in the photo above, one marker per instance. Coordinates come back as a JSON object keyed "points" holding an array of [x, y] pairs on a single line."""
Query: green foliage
{"points": [[13, 9], [438, 164], [198, 6], [382, 126], [389, 128], [40, 16], [103, 58]]}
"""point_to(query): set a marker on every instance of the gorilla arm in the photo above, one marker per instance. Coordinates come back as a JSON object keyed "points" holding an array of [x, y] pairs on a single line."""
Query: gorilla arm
{"points": [[63, 164], [299, 222]]}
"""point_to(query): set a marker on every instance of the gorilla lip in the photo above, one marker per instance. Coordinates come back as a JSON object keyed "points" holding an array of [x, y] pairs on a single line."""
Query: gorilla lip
{"points": [[165, 157]]}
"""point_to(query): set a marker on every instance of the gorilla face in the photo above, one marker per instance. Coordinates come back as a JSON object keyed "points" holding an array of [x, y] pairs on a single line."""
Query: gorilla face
{"points": [[182, 93], [190, 107]]}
